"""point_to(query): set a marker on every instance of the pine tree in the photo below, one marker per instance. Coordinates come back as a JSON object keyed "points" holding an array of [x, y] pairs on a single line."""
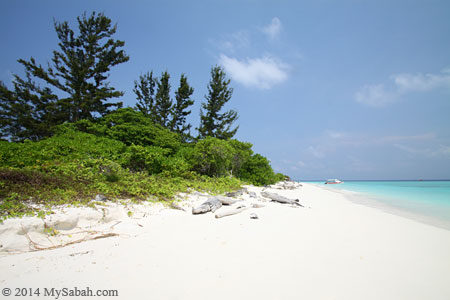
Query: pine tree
{"points": [[212, 122], [145, 94], [180, 112], [163, 102], [79, 72], [27, 112]]}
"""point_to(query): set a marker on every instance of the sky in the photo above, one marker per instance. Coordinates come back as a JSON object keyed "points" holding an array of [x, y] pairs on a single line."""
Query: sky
{"points": [[346, 89]]}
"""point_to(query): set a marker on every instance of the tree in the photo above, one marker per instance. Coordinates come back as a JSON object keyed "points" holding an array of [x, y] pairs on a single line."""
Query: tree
{"points": [[79, 72], [27, 112], [180, 112], [163, 102], [145, 94], [212, 122]]}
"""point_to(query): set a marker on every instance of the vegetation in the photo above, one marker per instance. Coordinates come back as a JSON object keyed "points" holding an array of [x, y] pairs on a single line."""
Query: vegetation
{"points": [[180, 109], [145, 94], [67, 149], [79, 72], [214, 123]]}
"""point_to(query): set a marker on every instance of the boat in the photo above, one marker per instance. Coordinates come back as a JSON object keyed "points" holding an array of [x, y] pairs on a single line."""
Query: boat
{"points": [[333, 181]]}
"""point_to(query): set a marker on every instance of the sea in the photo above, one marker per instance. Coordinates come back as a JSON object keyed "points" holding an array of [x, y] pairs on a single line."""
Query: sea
{"points": [[426, 201]]}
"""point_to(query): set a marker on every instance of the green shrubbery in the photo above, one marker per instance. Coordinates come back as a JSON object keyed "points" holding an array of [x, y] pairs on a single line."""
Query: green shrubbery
{"points": [[86, 158], [131, 127]]}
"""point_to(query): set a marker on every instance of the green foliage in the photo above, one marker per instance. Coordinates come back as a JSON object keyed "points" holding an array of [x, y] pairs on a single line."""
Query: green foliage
{"points": [[12, 205], [257, 170], [67, 147], [27, 111], [163, 102], [213, 157], [241, 154], [132, 127], [212, 122], [180, 109], [149, 159], [73, 166], [79, 71], [145, 94]]}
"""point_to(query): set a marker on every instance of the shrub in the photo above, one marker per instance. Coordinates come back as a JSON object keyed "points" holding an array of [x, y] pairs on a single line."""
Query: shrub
{"points": [[67, 146], [212, 157], [132, 128], [257, 170], [241, 154], [149, 159]]}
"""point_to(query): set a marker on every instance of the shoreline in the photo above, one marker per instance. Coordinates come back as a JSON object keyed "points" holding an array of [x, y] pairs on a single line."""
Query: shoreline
{"points": [[328, 249], [376, 202]]}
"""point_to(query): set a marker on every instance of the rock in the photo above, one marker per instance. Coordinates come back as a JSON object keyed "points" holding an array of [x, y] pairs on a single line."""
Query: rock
{"points": [[100, 198], [62, 222], [89, 217], [113, 214], [31, 225], [252, 195], [253, 216]]}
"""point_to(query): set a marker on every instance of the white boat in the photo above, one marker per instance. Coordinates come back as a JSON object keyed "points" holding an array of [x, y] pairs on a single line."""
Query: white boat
{"points": [[333, 181]]}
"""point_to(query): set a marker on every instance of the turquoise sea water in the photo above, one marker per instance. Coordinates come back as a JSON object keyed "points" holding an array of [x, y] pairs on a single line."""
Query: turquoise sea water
{"points": [[427, 201]]}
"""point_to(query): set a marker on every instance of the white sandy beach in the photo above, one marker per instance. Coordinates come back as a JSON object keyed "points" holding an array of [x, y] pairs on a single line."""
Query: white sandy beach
{"points": [[330, 249]]}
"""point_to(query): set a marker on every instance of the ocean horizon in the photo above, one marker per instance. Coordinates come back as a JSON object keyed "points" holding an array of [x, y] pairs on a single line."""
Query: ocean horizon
{"points": [[427, 201]]}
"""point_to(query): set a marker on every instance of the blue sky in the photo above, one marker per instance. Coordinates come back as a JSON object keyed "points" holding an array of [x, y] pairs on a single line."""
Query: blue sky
{"points": [[324, 89]]}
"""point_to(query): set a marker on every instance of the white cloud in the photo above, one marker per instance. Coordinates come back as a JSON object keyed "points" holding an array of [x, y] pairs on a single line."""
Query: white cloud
{"points": [[418, 137], [301, 163], [336, 134], [262, 73], [316, 151], [273, 29], [442, 151], [377, 95], [420, 82]]}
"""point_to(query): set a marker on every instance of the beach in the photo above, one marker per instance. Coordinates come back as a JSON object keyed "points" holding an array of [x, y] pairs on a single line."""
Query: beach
{"points": [[331, 248]]}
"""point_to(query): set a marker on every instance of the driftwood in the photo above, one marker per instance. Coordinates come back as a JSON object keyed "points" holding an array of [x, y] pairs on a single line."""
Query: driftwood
{"points": [[280, 199], [211, 205], [236, 193], [230, 212], [91, 235], [236, 210], [227, 200], [176, 206]]}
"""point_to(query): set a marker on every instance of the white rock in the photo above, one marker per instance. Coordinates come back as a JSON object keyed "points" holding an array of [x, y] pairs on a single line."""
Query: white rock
{"points": [[114, 214], [62, 221]]}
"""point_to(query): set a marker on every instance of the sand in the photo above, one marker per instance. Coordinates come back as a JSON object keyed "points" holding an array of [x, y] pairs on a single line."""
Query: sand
{"points": [[330, 249]]}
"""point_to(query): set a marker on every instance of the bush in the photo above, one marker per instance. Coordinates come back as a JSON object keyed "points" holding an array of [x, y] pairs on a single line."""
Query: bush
{"points": [[175, 167], [242, 152], [67, 146], [257, 170], [132, 128], [149, 159], [212, 157]]}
